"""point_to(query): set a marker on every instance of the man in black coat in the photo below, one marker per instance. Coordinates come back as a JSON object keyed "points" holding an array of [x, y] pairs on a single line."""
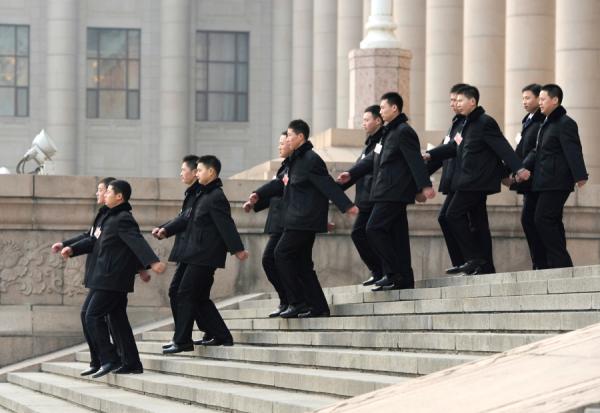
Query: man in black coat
{"points": [[269, 196], [308, 187], [188, 177], [399, 175], [118, 251], [209, 233], [526, 141], [373, 126], [57, 247], [480, 150], [558, 165]]}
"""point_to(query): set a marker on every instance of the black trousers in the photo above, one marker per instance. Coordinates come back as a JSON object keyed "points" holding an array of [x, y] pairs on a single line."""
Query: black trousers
{"points": [[94, 359], [114, 305], [174, 287], [387, 231], [293, 258], [361, 242], [548, 222], [268, 263], [454, 251], [194, 303], [474, 238], [537, 250]]}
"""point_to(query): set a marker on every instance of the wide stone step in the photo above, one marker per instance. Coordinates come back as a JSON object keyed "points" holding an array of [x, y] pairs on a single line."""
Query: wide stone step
{"points": [[552, 321], [552, 287], [429, 341], [220, 395], [513, 303], [237, 366], [23, 400], [364, 361], [99, 396]]}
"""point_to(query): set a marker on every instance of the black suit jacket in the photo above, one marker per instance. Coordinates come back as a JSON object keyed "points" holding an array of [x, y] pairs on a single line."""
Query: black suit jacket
{"points": [[180, 219], [527, 144], [440, 159], [118, 253], [480, 154], [269, 196], [399, 171], [364, 183], [557, 160], [209, 229], [307, 189]]}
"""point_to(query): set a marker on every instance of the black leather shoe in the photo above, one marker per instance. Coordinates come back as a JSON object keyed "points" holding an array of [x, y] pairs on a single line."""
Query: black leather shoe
{"points": [[105, 369], [312, 313], [216, 342], [169, 344], [178, 348], [200, 342], [277, 312], [385, 280], [129, 370], [473, 267], [293, 310], [90, 370], [454, 270], [371, 280]]}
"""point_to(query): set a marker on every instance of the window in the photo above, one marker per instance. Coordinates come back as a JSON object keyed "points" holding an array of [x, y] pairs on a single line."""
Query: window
{"points": [[222, 76], [113, 73], [14, 70]]}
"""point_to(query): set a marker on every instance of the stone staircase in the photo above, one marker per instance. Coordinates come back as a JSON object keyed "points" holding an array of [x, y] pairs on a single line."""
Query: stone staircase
{"points": [[373, 340]]}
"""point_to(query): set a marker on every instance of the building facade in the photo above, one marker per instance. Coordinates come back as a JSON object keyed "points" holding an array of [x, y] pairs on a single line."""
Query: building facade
{"points": [[127, 87]]}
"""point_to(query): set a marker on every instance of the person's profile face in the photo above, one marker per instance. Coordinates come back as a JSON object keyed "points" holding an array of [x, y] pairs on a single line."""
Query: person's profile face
{"points": [[294, 140], [187, 175], [453, 103], [547, 103], [530, 101], [204, 174], [387, 111], [112, 199], [284, 147], [100, 191], [370, 123]]}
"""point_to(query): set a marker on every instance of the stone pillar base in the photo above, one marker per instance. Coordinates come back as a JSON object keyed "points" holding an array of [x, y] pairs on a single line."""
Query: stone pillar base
{"points": [[374, 72]]}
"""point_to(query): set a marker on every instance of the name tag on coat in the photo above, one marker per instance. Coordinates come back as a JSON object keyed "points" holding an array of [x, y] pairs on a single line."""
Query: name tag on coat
{"points": [[446, 139], [285, 179], [97, 233], [362, 156], [378, 148]]}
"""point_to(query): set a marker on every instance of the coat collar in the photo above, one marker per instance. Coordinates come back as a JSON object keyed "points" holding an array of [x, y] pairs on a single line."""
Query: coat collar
{"points": [[557, 113], [537, 116], [125, 206], [217, 183], [301, 150], [476, 114], [401, 118], [374, 138], [103, 210], [192, 189], [457, 118]]}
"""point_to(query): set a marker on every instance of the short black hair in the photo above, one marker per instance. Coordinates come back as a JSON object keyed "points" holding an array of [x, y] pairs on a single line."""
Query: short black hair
{"points": [[106, 181], [533, 88], [455, 88], [121, 187], [470, 92], [211, 161], [393, 98], [375, 110], [300, 127], [284, 133], [554, 91], [191, 161]]}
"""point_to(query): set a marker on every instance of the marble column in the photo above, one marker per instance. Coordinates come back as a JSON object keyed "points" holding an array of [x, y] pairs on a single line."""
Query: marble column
{"points": [[175, 87], [577, 62], [528, 60], [324, 65], [443, 59], [483, 52], [409, 16], [61, 84], [349, 35], [281, 81], [302, 60], [380, 27]]}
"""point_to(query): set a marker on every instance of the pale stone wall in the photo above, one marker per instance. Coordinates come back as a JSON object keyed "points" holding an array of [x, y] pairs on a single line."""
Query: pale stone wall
{"points": [[40, 295]]}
